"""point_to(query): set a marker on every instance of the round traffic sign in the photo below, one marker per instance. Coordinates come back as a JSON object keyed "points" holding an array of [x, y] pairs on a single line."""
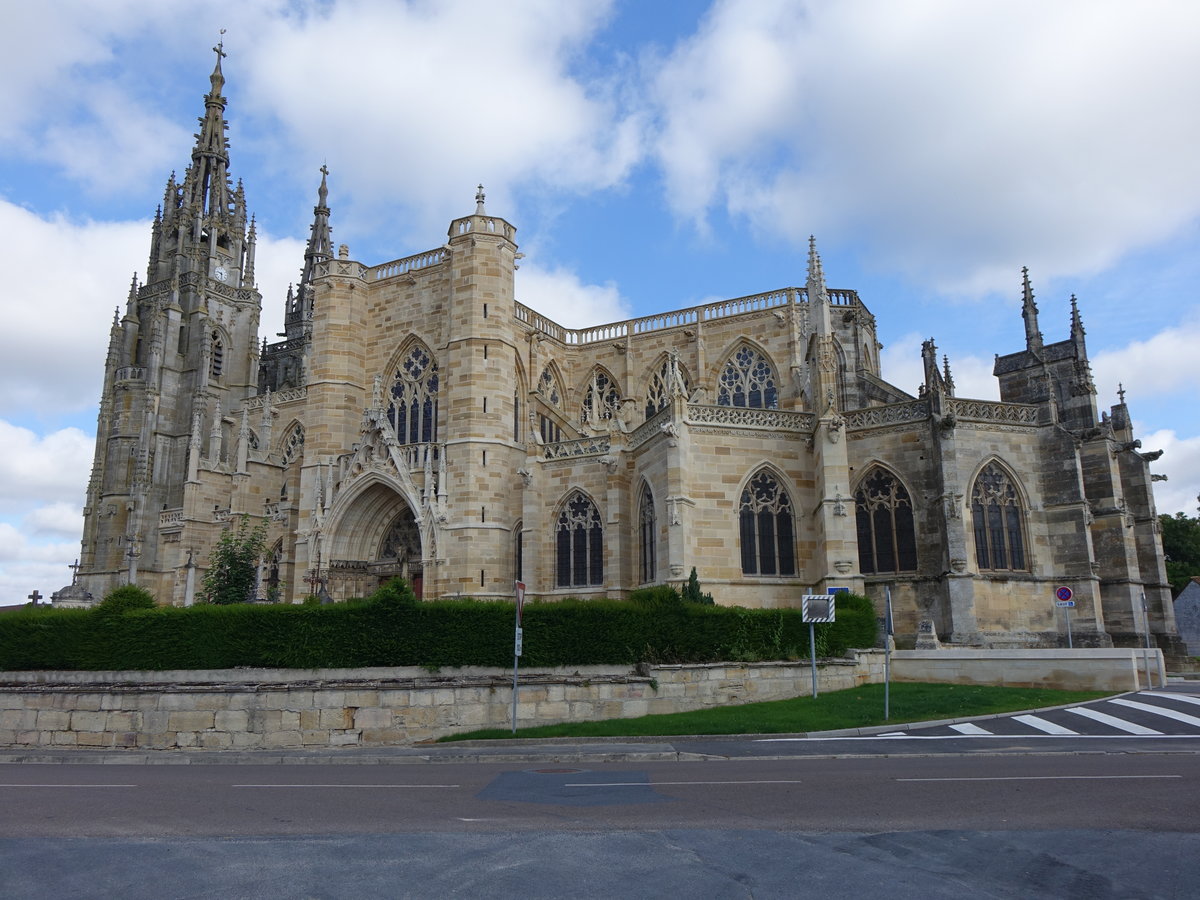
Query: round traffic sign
{"points": [[1064, 593]]}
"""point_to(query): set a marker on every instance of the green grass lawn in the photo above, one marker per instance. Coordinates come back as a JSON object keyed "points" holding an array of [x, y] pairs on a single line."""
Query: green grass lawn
{"points": [[855, 708]]}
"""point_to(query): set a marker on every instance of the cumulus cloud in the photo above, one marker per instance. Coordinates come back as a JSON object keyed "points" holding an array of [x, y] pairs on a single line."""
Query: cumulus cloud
{"points": [[1181, 464], [902, 366], [26, 565], [560, 295], [479, 92], [958, 140], [44, 469], [1144, 368]]}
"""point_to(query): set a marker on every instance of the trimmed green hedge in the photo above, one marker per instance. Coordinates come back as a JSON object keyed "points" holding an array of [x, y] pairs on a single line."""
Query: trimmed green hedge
{"points": [[447, 633]]}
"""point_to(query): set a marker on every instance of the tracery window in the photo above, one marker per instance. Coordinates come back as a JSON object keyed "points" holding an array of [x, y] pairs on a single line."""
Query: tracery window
{"points": [[747, 380], [413, 407], [766, 527], [602, 397], [217, 358], [658, 393], [999, 529], [579, 543], [548, 388], [887, 539], [293, 445], [647, 536]]}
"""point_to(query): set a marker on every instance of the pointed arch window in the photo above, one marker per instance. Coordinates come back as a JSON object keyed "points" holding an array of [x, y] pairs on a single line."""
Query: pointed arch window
{"points": [[647, 536], [748, 379], [887, 540], [579, 543], [601, 398], [998, 521], [414, 398], [658, 392], [548, 388], [293, 445], [765, 523], [217, 357]]}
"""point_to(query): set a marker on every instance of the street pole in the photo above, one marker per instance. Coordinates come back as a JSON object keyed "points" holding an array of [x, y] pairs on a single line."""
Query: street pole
{"points": [[520, 597], [887, 656], [812, 644]]}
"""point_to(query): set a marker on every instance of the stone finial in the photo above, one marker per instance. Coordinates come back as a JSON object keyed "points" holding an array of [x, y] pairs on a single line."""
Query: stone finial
{"points": [[479, 195]]}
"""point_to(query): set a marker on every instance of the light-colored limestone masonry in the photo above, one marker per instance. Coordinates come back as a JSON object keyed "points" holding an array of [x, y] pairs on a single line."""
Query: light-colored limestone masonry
{"points": [[265, 709]]}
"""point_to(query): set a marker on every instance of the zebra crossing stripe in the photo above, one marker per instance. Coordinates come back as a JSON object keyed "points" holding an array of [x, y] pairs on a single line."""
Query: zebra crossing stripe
{"points": [[1043, 725], [1113, 721], [968, 728], [1158, 711], [1182, 698]]}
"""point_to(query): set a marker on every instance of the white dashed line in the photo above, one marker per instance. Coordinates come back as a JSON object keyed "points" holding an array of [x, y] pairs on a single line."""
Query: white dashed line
{"points": [[1112, 721], [1044, 726], [1182, 698]]}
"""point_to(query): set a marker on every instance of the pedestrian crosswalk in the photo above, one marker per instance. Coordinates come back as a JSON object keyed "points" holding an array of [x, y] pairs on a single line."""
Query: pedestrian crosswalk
{"points": [[1145, 714]]}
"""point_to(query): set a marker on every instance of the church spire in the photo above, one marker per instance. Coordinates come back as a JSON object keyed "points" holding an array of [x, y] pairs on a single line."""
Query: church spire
{"points": [[206, 186], [1077, 331], [1029, 312]]}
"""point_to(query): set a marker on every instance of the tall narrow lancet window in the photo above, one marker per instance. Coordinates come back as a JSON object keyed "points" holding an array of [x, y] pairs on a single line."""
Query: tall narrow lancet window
{"points": [[552, 395], [748, 379], [647, 536], [766, 526], [658, 392], [887, 540], [998, 521], [601, 398], [414, 398], [217, 358], [579, 543]]}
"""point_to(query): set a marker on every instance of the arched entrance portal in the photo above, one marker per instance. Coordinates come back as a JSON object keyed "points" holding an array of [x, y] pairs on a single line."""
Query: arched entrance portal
{"points": [[375, 537]]}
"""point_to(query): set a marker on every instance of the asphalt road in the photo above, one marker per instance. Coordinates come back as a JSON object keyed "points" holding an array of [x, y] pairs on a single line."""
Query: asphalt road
{"points": [[916, 826]]}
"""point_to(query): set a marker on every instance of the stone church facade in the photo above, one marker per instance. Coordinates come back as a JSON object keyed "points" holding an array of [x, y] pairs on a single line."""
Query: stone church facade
{"points": [[416, 419]]}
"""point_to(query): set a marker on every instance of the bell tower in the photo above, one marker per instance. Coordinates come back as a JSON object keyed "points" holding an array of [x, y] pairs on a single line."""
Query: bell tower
{"points": [[182, 357]]}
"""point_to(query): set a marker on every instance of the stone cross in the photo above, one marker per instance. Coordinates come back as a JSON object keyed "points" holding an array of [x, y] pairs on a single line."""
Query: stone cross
{"points": [[35, 597], [74, 567]]}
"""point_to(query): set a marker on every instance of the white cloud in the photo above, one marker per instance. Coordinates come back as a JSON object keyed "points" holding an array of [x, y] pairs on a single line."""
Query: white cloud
{"points": [[561, 296], [61, 519], [1158, 365], [26, 565], [42, 469], [959, 140], [471, 92], [902, 366], [1180, 462]]}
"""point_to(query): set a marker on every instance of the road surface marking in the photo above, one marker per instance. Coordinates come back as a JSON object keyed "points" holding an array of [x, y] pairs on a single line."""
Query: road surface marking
{"points": [[1042, 778], [1042, 725], [667, 783], [346, 785], [1113, 721], [1171, 696], [1158, 711], [968, 728], [905, 736], [68, 785]]}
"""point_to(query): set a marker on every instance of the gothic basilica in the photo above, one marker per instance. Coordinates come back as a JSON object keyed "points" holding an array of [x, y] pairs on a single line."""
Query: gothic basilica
{"points": [[416, 419]]}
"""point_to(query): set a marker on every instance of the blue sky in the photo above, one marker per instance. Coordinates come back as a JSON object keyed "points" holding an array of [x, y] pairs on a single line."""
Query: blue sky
{"points": [[653, 155]]}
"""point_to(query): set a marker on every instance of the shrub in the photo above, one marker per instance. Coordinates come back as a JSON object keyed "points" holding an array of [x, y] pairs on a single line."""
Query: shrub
{"points": [[125, 598], [394, 592], [658, 595], [233, 566], [692, 592]]}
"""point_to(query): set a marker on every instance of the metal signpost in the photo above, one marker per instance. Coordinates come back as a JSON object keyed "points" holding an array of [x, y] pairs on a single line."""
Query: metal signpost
{"points": [[1062, 599], [520, 591], [1146, 651], [888, 631], [816, 608]]}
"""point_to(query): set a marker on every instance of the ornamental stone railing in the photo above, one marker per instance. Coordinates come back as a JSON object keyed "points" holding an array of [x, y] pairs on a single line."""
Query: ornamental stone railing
{"points": [[408, 264], [680, 318], [589, 446], [285, 396], [891, 414], [747, 417], [649, 428], [170, 518], [130, 373], [992, 411]]}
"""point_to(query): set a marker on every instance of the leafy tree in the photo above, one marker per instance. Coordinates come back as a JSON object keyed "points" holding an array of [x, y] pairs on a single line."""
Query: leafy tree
{"points": [[393, 592], [1181, 544], [233, 566], [125, 598]]}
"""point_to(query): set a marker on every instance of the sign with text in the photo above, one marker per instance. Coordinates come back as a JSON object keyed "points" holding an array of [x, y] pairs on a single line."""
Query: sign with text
{"points": [[818, 607]]}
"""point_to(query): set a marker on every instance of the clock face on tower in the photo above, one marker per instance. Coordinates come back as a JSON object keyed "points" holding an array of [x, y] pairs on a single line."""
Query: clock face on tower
{"points": [[220, 273]]}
